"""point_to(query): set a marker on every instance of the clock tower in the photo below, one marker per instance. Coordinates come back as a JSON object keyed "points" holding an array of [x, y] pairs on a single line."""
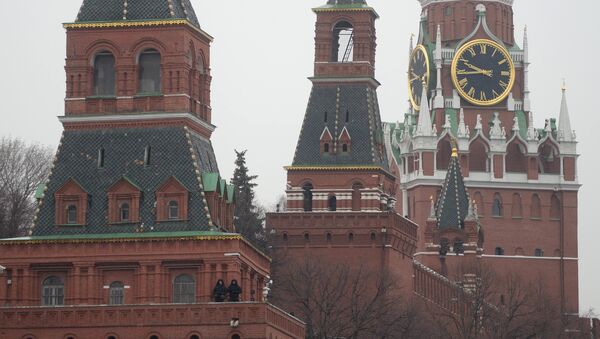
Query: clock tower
{"points": [[469, 90]]}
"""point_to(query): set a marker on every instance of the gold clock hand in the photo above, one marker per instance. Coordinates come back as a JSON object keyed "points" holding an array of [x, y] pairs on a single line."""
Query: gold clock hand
{"points": [[484, 72]]}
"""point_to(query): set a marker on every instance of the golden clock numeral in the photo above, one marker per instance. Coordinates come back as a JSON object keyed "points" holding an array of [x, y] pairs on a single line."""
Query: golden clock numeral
{"points": [[463, 83], [505, 73], [495, 94], [483, 48], [503, 84], [471, 92], [464, 60], [502, 62], [472, 50], [495, 51], [482, 96]]}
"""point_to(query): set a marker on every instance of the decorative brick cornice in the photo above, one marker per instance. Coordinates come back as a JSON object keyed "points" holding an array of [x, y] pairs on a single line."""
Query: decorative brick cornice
{"points": [[135, 24], [425, 3]]}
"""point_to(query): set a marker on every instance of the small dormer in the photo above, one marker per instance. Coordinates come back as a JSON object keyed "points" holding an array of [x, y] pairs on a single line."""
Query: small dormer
{"points": [[172, 201], [326, 142], [124, 202], [344, 142], [71, 203]]}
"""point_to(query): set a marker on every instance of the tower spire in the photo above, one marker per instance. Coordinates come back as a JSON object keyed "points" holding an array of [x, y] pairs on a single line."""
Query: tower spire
{"points": [[439, 96], [526, 63], [424, 126], [453, 206], [565, 132]]}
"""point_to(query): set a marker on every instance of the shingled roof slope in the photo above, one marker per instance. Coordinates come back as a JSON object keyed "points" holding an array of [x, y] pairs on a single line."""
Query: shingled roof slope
{"points": [[124, 149], [453, 206], [364, 126], [136, 10]]}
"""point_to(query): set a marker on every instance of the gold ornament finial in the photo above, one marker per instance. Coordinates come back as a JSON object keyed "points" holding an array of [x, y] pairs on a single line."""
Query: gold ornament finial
{"points": [[454, 152], [564, 85]]}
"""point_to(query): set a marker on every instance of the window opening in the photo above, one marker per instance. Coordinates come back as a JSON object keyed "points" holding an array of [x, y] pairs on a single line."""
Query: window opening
{"points": [[326, 148], [184, 290], [116, 293], [101, 158], [149, 72], [345, 148], [71, 215], [173, 210], [497, 206], [53, 291], [124, 212], [307, 197], [147, 154], [539, 252], [499, 251], [332, 203], [343, 42], [104, 74]]}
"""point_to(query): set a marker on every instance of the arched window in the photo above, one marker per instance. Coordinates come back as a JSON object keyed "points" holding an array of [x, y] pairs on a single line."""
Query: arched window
{"points": [[124, 212], [555, 208], [343, 42], [104, 74], [373, 236], [444, 153], [356, 196], [499, 251], [351, 237], [236, 336], [194, 336], [184, 289], [307, 197], [549, 158], [71, 214], [497, 208], [306, 237], [329, 237], [111, 337], [53, 291], [536, 207], [154, 337], [332, 203], [538, 252], [516, 160], [173, 210], [478, 158], [517, 207], [285, 237], [149, 72], [116, 293]]}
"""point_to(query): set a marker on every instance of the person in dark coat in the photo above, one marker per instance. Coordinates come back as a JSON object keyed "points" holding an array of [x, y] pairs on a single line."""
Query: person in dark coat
{"points": [[234, 291], [220, 291]]}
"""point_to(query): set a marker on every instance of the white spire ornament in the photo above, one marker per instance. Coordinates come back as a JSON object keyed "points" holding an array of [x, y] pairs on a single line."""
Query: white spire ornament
{"points": [[531, 133], [526, 63], [565, 132], [462, 128], [424, 125], [496, 132], [439, 96]]}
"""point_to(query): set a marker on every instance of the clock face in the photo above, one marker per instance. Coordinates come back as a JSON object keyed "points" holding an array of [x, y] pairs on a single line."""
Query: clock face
{"points": [[418, 75], [483, 72]]}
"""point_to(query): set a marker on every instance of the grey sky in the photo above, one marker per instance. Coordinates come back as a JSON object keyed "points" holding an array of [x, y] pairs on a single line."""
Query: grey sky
{"points": [[261, 57]]}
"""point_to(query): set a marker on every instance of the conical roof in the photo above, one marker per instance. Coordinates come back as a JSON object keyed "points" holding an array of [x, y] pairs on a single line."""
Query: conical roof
{"points": [[453, 206], [136, 10]]}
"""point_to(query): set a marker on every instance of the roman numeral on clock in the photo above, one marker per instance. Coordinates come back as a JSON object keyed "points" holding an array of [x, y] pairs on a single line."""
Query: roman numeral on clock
{"points": [[463, 83], [482, 96], [503, 84], [505, 73], [483, 48], [471, 92]]}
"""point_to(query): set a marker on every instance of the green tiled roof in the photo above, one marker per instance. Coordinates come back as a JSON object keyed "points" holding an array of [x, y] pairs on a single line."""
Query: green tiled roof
{"points": [[522, 119], [210, 181], [222, 187], [230, 193], [112, 236], [39, 192]]}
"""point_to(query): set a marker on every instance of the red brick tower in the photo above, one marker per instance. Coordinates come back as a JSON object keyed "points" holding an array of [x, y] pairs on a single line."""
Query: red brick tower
{"points": [[522, 180], [340, 189], [135, 225]]}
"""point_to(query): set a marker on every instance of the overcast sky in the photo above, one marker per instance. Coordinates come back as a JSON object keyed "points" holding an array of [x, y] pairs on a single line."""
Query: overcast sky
{"points": [[261, 57]]}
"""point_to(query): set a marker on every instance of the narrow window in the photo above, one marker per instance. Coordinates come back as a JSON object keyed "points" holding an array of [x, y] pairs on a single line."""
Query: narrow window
{"points": [[356, 196], [72, 215], [459, 247], [345, 148], [104, 74], [154, 337], [173, 210], [343, 42], [325, 117], [116, 293], [53, 292], [539, 252], [306, 237], [329, 237], [101, 158], [235, 336], [555, 209], [347, 116], [351, 237], [536, 207], [373, 236], [285, 237], [326, 148], [149, 72], [307, 197], [497, 206], [184, 290], [194, 337], [499, 251], [332, 202], [124, 212], [147, 155]]}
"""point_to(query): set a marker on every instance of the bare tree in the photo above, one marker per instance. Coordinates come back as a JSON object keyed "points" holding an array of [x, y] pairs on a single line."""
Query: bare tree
{"points": [[22, 169], [342, 301]]}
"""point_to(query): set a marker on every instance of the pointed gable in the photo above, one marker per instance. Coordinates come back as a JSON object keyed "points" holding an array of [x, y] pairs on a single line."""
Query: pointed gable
{"points": [[453, 206]]}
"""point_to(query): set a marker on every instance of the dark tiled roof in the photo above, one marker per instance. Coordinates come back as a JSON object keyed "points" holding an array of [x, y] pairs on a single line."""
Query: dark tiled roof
{"points": [[115, 10], [453, 205], [364, 126], [124, 154]]}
